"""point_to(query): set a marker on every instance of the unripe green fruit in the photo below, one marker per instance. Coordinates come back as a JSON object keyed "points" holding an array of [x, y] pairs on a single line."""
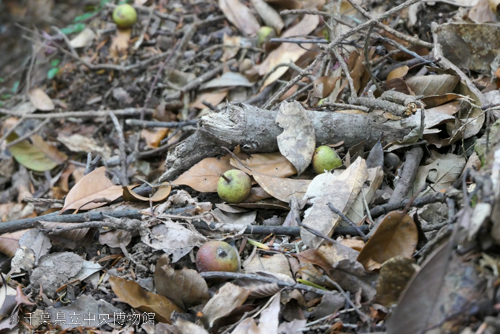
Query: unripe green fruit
{"points": [[325, 158], [124, 16], [217, 256], [264, 34], [237, 189]]}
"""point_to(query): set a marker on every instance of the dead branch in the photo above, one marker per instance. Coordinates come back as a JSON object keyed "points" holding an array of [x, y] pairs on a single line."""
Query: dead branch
{"points": [[255, 130]]}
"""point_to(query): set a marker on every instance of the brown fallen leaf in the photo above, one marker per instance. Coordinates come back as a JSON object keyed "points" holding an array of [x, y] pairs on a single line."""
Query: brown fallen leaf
{"points": [[280, 188], [213, 98], [341, 191], [93, 186], [185, 287], [394, 275], [49, 150], [203, 176], [396, 235], [271, 164], [288, 52], [119, 45], [432, 84], [223, 303], [239, 15], [133, 294], [40, 100], [161, 194], [398, 73], [9, 242]]}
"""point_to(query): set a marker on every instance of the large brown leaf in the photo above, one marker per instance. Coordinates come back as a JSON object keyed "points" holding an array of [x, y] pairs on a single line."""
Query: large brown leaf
{"points": [[428, 85], [272, 164], [396, 235], [239, 15], [40, 100], [223, 303], [203, 176], [133, 294], [185, 287], [93, 186]]}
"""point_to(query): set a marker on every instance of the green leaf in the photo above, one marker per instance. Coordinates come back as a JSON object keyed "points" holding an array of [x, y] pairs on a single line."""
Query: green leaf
{"points": [[73, 28], [55, 62], [83, 17], [5, 96], [2, 79], [104, 2], [15, 87], [30, 156], [52, 73]]}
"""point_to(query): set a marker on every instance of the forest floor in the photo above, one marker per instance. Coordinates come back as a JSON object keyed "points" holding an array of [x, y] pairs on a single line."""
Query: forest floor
{"points": [[116, 144]]}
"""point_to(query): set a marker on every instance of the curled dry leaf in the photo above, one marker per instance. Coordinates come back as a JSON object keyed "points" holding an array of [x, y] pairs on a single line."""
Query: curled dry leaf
{"points": [[93, 186], [396, 235], [224, 302], [154, 137], [185, 287], [40, 100], [398, 73], [269, 320], [298, 140], [269, 15], [239, 15], [133, 294], [161, 194], [213, 98]]}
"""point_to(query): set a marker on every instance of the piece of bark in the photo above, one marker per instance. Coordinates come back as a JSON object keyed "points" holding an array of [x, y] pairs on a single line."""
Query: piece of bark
{"points": [[255, 130]]}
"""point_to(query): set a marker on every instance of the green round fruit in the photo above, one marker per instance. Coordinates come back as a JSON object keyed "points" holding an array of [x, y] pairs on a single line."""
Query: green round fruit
{"points": [[325, 158], [264, 34], [217, 256], [125, 16], [234, 186]]}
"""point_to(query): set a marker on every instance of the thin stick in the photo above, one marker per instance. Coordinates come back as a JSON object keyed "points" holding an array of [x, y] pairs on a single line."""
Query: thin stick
{"points": [[198, 81], [347, 220], [123, 152], [368, 63], [256, 277], [404, 37], [153, 85], [11, 130], [78, 114], [335, 42], [291, 83], [344, 67], [156, 124], [29, 134]]}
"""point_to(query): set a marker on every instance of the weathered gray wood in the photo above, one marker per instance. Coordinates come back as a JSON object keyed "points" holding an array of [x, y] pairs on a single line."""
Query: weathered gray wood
{"points": [[255, 130]]}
